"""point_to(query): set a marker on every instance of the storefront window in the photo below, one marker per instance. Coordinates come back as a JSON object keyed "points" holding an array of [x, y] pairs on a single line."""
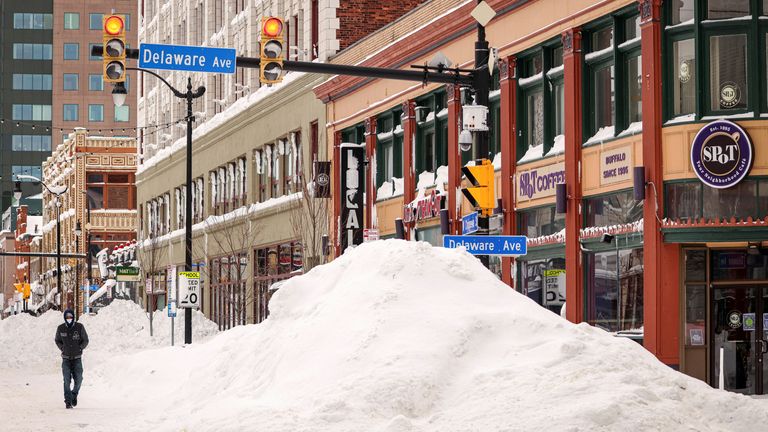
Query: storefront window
{"points": [[684, 79], [695, 314], [615, 289], [634, 88], [544, 282], [603, 96], [541, 222], [738, 264], [683, 200], [728, 72], [738, 201], [430, 235], [541, 101], [616, 209], [535, 125], [681, 11]]}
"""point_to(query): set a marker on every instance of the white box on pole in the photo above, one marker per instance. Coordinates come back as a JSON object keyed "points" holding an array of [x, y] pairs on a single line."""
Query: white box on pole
{"points": [[189, 290]]}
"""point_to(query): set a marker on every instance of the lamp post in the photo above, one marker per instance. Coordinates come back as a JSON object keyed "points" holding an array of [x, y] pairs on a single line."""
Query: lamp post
{"points": [[78, 233], [119, 94], [58, 191], [89, 268]]}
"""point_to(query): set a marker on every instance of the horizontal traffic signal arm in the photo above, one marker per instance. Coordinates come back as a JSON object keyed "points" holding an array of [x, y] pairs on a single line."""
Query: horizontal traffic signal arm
{"points": [[43, 254], [451, 76]]}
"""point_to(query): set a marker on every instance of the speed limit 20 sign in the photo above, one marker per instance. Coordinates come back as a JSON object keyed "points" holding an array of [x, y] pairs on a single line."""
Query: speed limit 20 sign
{"points": [[189, 290]]}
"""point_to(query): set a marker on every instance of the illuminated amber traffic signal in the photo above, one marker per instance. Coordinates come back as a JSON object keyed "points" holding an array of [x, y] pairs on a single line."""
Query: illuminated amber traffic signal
{"points": [[272, 47], [480, 194], [114, 48]]}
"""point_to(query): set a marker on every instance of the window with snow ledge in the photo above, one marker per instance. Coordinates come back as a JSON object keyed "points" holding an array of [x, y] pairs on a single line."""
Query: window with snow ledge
{"points": [[389, 148], [613, 66], [432, 132], [718, 75], [541, 110]]}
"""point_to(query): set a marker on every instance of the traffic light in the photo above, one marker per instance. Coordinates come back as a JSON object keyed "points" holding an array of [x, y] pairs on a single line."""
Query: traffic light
{"points": [[481, 193], [114, 48], [271, 64]]}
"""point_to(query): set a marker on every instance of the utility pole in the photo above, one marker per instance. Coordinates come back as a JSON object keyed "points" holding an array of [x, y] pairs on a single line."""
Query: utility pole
{"points": [[482, 87]]}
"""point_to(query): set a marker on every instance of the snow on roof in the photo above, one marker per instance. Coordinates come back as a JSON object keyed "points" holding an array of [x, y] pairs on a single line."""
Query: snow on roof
{"points": [[219, 119]]}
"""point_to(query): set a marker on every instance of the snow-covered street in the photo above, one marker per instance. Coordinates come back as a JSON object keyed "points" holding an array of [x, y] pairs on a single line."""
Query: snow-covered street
{"points": [[394, 336]]}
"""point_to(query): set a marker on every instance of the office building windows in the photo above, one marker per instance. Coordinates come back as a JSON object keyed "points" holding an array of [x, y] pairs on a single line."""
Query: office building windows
{"points": [[32, 82], [70, 81], [70, 112], [96, 112], [29, 51], [31, 112], [95, 82], [71, 21], [95, 21], [71, 51]]}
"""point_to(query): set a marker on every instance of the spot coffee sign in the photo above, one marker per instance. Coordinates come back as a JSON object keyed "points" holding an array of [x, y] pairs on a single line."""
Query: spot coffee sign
{"points": [[721, 154]]}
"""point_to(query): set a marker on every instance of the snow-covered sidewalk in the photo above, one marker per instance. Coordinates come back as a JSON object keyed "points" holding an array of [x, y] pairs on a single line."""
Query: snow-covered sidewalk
{"points": [[393, 336]]}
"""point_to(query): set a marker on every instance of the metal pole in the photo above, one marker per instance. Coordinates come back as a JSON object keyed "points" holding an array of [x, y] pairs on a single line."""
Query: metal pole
{"points": [[88, 256], [482, 85], [188, 217], [77, 279], [58, 251]]}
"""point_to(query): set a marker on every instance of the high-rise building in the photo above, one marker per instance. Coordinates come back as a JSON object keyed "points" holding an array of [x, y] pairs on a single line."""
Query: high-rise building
{"points": [[50, 84], [26, 81]]}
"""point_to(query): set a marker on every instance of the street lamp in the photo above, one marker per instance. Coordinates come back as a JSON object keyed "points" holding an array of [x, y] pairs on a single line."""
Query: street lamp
{"points": [[119, 94], [58, 191]]}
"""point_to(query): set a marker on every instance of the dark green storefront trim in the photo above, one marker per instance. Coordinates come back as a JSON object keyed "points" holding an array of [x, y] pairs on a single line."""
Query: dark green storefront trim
{"points": [[715, 234], [556, 250]]}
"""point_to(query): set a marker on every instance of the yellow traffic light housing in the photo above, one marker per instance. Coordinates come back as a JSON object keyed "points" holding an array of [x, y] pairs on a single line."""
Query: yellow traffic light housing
{"points": [[480, 194], [272, 48], [114, 49]]}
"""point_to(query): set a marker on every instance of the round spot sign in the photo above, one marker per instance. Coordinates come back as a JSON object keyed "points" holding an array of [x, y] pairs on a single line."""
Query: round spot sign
{"points": [[721, 154]]}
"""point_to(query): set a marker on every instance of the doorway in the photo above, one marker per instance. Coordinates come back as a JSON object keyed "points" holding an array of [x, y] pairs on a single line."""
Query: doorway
{"points": [[739, 337]]}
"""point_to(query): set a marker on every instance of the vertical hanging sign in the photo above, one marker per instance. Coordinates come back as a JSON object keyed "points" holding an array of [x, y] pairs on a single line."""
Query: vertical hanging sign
{"points": [[352, 161]]}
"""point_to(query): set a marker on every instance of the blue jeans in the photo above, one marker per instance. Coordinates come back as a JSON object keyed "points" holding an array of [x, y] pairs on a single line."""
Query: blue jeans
{"points": [[72, 369]]}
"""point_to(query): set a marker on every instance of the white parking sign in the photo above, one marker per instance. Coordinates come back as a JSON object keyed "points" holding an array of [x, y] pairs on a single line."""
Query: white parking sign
{"points": [[189, 290]]}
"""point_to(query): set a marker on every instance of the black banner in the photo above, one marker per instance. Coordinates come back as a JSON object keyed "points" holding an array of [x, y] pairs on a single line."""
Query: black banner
{"points": [[352, 187], [322, 170]]}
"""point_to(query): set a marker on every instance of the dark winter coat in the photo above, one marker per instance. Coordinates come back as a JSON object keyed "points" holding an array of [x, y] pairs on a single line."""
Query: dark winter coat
{"points": [[71, 340]]}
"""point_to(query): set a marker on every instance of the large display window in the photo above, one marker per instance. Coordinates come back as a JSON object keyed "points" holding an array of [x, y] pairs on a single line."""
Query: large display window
{"points": [[615, 289]]}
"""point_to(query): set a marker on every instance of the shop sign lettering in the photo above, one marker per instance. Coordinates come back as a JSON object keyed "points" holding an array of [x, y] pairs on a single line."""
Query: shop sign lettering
{"points": [[425, 208], [721, 154], [539, 182], [352, 157], [615, 165]]}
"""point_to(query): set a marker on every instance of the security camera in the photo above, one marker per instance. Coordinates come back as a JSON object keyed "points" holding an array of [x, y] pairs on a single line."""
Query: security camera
{"points": [[465, 140], [607, 238]]}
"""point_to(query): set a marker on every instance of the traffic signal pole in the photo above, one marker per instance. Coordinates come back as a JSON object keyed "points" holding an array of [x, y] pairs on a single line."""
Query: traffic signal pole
{"points": [[482, 87]]}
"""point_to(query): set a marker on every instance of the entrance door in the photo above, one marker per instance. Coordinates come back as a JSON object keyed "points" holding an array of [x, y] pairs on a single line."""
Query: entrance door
{"points": [[740, 338]]}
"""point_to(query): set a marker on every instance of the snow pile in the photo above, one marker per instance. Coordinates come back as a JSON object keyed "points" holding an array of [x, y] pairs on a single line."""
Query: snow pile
{"points": [[120, 328], [401, 336]]}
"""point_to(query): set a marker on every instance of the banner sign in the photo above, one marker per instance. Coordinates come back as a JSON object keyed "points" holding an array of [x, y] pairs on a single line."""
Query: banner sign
{"points": [[425, 208], [322, 180], [352, 160], [539, 182], [616, 165], [721, 154], [127, 274]]}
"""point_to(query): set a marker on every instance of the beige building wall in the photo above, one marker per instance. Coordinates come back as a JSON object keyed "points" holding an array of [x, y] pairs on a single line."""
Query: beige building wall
{"points": [[261, 219]]}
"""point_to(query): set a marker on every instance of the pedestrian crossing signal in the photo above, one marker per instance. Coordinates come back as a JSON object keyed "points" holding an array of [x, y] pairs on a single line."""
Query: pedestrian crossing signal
{"points": [[114, 49], [272, 48], [481, 193]]}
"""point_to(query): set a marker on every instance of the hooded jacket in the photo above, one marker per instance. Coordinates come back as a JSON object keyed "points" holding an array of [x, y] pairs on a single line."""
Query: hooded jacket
{"points": [[71, 340]]}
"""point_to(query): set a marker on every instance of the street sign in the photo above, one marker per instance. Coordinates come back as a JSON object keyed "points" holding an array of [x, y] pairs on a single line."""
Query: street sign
{"points": [[187, 58], [93, 288], [172, 310], [189, 290], [469, 223], [489, 245], [148, 285], [127, 274], [370, 234]]}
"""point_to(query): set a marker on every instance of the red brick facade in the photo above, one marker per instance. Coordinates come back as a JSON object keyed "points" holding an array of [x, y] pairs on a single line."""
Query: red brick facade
{"points": [[358, 18]]}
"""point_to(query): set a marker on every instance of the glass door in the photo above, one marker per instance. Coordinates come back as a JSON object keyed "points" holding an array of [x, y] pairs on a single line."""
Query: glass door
{"points": [[739, 338]]}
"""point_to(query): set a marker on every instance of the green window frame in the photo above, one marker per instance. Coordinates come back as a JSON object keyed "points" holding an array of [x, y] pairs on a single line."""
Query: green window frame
{"points": [[389, 147], [613, 71], [540, 101], [431, 148], [721, 88], [687, 200]]}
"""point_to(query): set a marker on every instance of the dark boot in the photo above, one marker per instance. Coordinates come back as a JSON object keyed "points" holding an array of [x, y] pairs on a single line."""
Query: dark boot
{"points": [[74, 400], [68, 405]]}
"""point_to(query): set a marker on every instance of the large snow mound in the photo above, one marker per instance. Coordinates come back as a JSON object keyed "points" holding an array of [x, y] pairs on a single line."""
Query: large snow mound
{"points": [[401, 336], [120, 328]]}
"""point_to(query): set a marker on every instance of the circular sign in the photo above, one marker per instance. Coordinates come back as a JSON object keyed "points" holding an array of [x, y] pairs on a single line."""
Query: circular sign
{"points": [[730, 95], [721, 154], [323, 179], [685, 72], [734, 319]]}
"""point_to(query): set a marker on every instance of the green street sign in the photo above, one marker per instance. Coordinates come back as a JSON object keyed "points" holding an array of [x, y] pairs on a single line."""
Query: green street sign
{"points": [[127, 274]]}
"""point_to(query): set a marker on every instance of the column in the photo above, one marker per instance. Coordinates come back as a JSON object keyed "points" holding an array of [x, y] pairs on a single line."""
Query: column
{"points": [[370, 176], [454, 156], [573, 76], [508, 89], [409, 141], [337, 193], [661, 315]]}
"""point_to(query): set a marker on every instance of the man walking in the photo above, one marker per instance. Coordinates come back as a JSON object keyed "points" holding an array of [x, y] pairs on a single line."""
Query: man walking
{"points": [[71, 339]]}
